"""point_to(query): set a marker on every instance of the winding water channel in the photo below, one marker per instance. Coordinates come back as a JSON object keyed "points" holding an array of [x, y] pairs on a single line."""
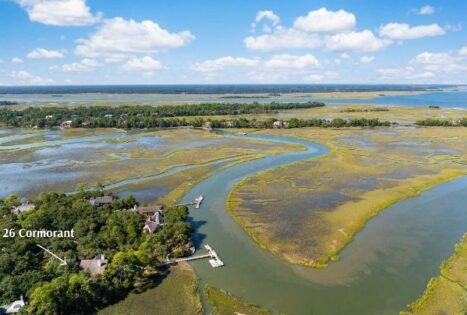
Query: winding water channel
{"points": [[386, 267]]}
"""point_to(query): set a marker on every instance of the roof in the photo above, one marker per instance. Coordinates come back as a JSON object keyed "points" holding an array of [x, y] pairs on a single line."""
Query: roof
{"points": [[149, 210], [157, 217], [153, 222], [151, 226], [94, 266], [25, 207], [101, 200]]}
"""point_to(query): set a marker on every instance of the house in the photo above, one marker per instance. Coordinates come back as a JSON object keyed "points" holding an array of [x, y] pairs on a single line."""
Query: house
{"points": [[207, 126], [148, 211], [154, 217], [94, 266], [280, 124], [24, 207], [13, 308], [108, 115], [153, 222], [100, 201], [66, 124]]}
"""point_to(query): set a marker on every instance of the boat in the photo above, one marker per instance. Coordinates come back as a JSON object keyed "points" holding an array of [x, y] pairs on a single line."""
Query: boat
{"points": [[198, 201]]}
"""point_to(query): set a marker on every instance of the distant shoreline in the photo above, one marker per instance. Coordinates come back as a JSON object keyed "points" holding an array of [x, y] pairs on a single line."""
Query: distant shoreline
{"points": [[219, 89]]}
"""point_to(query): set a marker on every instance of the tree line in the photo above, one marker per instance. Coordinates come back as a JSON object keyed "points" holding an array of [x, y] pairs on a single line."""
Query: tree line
{"points": [[127, 117], [134, 115], [271, 123], [365, 110], [7, 103], [431, 122], [112, 230]]}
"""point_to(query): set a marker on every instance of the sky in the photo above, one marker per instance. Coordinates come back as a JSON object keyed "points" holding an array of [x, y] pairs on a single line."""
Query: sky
{"points": [[76, 42]]}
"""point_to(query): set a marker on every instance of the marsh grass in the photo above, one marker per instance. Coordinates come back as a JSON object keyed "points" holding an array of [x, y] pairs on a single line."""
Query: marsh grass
{"points": [[131, 155], [401, 114], [176, 294], [447, 293], [307, 212], [224, 303]]}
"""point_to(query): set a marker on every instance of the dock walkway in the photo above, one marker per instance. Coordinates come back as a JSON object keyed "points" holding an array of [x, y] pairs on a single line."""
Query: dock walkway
{"points": [[196, 203], [214, 259]]}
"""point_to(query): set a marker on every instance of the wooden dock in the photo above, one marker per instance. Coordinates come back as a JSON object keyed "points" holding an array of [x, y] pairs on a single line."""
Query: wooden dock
{"points": [[212, 255], [196, 203]]}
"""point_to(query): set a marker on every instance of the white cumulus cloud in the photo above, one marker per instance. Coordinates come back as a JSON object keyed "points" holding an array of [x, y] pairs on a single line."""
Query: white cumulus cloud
{"points": [[441, 62], [59, 12], [367, 59], [41, 53], [25, 77], [322, 20], [224, 62], [303, 34], [16, 60], [356, 41], [282, 38], [118, 38], [428, 58], [406, 73], [268, 15], [145, 63], [286, 61], [426, 10], [85, 65], [463, 51], [400, 31]]}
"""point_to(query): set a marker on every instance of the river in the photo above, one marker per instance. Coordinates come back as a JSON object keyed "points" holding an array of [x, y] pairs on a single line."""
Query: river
{"points": [[445, 99], [386, 267]]}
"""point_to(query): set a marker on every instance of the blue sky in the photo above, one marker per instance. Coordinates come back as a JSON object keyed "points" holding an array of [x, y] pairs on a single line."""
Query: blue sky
{"points": [[56, 42]]}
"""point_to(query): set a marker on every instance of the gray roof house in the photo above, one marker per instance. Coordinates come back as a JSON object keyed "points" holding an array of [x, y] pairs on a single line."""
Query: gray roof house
{"points": [[153, 222], [149, 210], [100, 201], [25, 207], [94, 266]]}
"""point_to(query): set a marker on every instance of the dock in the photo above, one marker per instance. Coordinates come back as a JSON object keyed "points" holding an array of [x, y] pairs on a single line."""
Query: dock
{"points": [[196, 203], [212, 255], [215, 260]]}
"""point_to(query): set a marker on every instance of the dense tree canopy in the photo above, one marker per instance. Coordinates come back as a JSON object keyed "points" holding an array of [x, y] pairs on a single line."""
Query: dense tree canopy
{"points": [[429, 122], [139, 117], [111, 229], [129, 117], [6, 103]]}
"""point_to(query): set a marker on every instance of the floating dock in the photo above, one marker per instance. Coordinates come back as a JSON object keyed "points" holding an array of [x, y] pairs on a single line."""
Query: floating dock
{"points": [[214, 259], [198, 201]]}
